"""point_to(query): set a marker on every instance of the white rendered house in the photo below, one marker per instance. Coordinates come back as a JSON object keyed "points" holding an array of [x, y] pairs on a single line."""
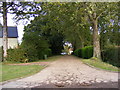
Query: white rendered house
{"points": [[12, 37]]}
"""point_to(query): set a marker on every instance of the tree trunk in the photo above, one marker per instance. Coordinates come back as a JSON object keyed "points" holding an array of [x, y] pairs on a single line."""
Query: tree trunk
{"points": [[5, 40], [96, 42]]}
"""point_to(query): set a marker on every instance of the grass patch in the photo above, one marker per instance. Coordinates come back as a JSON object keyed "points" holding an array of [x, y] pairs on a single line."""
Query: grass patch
{"points": [[13, 71], [50, 59], [100, 64]]}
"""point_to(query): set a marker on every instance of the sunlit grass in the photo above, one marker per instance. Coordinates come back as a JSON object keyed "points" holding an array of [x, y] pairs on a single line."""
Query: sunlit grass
{"points": [[100, 64], [16, 71]]}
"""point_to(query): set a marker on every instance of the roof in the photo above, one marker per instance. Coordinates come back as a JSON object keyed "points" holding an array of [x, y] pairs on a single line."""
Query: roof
{"points": [[12, 32]]}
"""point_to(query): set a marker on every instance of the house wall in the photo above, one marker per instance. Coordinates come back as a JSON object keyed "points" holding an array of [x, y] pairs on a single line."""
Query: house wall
{"points": [[12, 42], [1, 42]]}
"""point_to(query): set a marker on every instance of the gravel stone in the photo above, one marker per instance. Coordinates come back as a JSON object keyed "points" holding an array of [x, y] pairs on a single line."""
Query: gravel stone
{"points": [[65, 71]]}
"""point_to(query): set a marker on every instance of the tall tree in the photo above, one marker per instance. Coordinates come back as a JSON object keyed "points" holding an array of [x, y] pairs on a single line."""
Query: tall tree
{"points": [[5, 40], [51, 34], [70, 18], [95, 10], [70, 21], [18, 8]]}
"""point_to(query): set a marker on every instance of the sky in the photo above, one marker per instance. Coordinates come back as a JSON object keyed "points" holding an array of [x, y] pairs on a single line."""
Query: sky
{"points": [[10, 22]]}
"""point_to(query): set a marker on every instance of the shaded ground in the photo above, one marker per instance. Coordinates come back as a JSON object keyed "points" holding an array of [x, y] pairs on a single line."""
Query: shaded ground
{"points": [[67, 72]]}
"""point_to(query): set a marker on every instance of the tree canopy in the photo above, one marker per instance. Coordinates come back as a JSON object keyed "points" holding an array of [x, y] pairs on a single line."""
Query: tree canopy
{"points": [[80, 23]]}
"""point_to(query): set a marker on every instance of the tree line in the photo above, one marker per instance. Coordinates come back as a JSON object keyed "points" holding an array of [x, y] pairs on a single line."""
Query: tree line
{"points": [[80, 23]]}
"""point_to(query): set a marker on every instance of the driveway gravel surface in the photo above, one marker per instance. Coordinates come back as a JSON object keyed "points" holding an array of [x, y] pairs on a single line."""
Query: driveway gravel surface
{"points": [[67, 71]]}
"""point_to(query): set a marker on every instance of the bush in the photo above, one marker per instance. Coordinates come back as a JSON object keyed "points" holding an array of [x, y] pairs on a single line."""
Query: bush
{"points": [[1, 53], [48, 52], [86, 52], [111, 55], [35, 54], [36, 46], [77, 52], [21, 54], [16, 55], [89, 51]]}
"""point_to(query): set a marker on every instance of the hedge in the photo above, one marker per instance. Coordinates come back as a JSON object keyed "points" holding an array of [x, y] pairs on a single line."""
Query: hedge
{"points": [[86, 52], [21, 54], [16, 55], [111, 55]]}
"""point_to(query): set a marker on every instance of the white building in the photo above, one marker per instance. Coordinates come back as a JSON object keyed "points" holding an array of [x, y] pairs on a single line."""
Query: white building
{"points": [[12, 37]]}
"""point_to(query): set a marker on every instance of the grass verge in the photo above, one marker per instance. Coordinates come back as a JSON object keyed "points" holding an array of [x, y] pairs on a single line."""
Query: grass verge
{"points": [[13, 71], [101, 65], [50, 59], [9, 72]]}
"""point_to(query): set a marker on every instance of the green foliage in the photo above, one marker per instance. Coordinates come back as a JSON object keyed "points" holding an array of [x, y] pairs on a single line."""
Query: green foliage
{"points": [[77, 53], [56, 43], [37, 48], [42, 33], [89, 51], [111, 55], [16, 55], [58, 22], [48, 52], [99, 64], [1, 53], [33, 48], [70, 21], [29, 53], [86, 52]]}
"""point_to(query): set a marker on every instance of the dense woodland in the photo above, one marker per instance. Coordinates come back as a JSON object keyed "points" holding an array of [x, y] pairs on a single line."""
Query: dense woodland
{"points": [[91, 27]]}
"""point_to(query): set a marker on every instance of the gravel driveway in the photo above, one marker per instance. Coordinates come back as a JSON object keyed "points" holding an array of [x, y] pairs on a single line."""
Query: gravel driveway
{"points": [[67, 71]]}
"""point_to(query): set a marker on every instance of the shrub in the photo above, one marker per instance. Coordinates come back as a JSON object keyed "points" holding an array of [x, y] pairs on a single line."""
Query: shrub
{"points": [[111, 55], [89, 51], [43, 52], [77, 52], [16, 55], [35, 54], [22, 54], [48, 52], [37, 48], [1, 53], [83, 52], [86, 52]]}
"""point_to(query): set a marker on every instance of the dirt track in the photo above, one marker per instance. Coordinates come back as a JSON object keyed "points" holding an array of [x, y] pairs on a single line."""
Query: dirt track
{"points": [[67, 71]]}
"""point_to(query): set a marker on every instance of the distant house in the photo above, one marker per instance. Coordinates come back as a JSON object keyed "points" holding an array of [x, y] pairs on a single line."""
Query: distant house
{"points": [[12, 37]]}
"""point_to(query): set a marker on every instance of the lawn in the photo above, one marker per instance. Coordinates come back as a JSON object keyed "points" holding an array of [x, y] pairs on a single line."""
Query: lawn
{"points": [[50, 59], [16, 71], [9, 72], [100, 65]]}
